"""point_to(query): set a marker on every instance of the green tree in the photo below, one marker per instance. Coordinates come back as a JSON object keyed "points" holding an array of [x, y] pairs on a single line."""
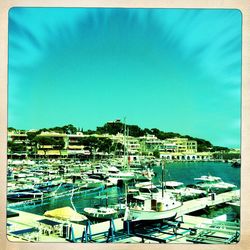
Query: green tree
{"points": [[17, 147], [156, 154], [69, 129], [55, 142], [111, 128], [11, 129], [219, 148], [135, 131]]}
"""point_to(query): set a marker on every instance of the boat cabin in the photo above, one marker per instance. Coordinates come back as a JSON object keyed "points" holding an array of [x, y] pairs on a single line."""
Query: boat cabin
{"points": [[143, 203]]}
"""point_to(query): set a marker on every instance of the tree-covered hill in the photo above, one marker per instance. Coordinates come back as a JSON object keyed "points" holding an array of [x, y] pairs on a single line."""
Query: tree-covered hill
{"points": [[133, 130]]}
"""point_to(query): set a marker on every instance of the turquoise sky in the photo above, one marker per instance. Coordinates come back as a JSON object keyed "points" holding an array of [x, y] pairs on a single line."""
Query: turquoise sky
{"points": [[174, 69]]}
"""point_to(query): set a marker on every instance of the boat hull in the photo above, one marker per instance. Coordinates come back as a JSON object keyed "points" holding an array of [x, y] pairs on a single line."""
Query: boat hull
{"points": [[101, 217], [142, 215], [95, 215], [23, 197]]}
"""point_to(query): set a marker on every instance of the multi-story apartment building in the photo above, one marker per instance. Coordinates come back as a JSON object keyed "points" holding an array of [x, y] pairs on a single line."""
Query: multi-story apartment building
{"points": [[18, 143], [131, 143], [150, 143], [168, 147], [183, 149], [133, 146], [51, 144], [17, 136], [183, 145], [75, 146]]}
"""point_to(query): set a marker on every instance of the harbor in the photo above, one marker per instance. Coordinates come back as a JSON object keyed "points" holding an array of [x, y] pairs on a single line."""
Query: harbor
{"points": [[116, 210], [27, 227], [114, 187]]}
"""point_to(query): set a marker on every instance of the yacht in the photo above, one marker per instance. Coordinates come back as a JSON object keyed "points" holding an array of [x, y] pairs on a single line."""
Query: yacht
{"points": [[181, 191], [214, 184], [114, 175]]}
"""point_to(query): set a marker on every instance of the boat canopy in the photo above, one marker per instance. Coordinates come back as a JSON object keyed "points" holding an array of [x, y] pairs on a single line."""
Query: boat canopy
{"points": [[65, 213]]}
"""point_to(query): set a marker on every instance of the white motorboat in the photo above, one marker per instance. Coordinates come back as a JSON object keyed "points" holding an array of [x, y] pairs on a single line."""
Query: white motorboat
{"points": [[181, 191], [213, 183], [116, 175], [112, 173], [89, 183], [101, 213]]}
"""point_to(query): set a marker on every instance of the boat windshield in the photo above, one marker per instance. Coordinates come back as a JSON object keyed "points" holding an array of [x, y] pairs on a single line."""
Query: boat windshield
{"points": [[154, 190], [148, 190], [113, 172], [144, 190]]}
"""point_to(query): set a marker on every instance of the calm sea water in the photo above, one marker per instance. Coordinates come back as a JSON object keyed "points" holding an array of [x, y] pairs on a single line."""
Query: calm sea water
{"points": [[178, 171], [187, 171]]}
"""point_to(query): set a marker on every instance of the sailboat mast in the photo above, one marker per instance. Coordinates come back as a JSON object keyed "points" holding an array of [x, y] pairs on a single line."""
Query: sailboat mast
{"points": [[127, 156], [126, 194], [124, 143], [162, 179]]}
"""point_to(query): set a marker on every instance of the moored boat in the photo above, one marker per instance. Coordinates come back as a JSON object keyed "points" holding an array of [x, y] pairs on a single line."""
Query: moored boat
{"points": [[47, 187], [181, 191], [89, 183], [236, 164], [144, 208], [24, 194], [152, 206], [213, 184], [101, 213]]}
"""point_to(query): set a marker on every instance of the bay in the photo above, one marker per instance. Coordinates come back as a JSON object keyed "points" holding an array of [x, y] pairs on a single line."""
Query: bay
{"points": [[177, 171]]}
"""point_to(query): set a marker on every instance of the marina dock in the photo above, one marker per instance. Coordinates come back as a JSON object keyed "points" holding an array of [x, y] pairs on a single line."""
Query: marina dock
{"points": [[212, 200], [186, 228]]}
